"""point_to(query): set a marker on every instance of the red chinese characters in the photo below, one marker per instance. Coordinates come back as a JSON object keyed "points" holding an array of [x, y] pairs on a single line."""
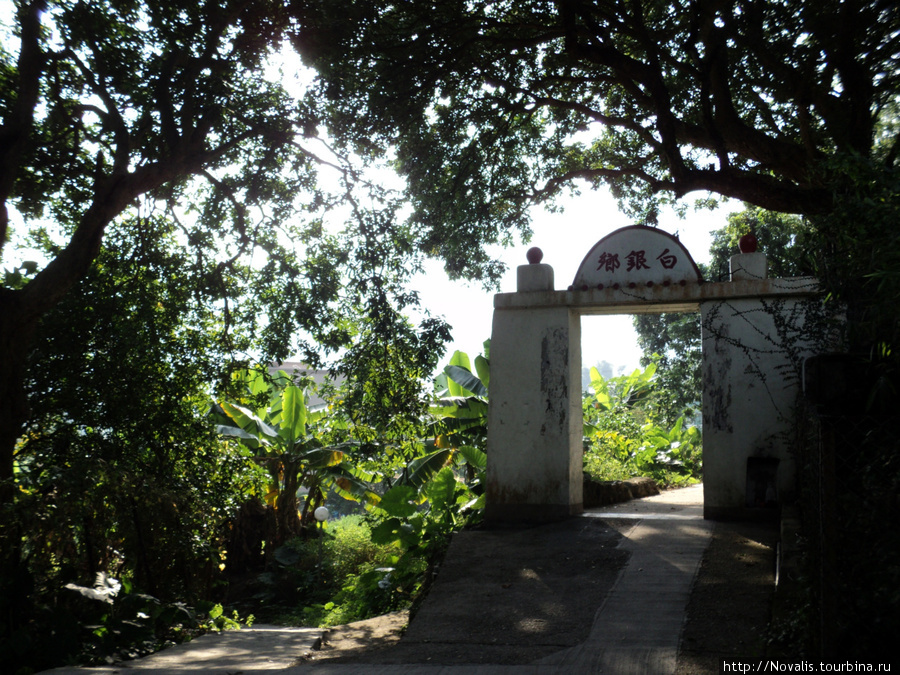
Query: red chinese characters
{"points": [[635, 260], [667, 260], [609, 262]]}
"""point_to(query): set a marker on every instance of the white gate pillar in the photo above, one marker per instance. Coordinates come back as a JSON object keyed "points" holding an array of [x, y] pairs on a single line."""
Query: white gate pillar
{"points": [[534, 470], [752, 348]]}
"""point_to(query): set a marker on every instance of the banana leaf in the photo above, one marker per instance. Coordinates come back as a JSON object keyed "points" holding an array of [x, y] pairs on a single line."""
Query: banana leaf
{"points": [[421, 470], [467, 383]]}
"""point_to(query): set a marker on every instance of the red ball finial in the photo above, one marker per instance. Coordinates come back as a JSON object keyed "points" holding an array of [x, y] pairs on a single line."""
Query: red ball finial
{"points": [[748, 243], [534, 255]]}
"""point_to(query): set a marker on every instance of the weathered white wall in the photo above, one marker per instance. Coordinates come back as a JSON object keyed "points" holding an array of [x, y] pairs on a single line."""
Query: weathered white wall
{"points": [[751, 381], [535, 418]]}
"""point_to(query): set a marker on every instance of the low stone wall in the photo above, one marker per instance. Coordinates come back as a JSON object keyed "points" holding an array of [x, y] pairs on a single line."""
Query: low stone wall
{"points": [[603, 493]]}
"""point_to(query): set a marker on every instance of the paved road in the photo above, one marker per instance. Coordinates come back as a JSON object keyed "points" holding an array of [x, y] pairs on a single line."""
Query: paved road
{"points": [[606, 592]]}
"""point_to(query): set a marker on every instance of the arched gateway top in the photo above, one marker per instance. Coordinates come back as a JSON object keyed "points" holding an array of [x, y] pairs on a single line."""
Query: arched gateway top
{"points": [[636, 256]]}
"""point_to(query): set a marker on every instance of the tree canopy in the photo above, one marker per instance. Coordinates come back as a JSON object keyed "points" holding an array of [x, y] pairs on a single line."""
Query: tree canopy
{"points": [[118, 113], [185, 218], [492, 105]]}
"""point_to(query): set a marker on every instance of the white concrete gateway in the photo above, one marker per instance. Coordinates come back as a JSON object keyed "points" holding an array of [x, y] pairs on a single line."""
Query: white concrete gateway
{"points": [[753, 341]]}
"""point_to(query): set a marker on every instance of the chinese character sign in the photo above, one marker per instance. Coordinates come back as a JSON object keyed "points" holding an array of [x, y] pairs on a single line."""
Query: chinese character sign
{"points": [[636, 260], [609, 262], [636, 256]]}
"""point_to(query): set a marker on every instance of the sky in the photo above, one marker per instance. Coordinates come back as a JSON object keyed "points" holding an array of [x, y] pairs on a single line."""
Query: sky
{"points": [[565, 238]]}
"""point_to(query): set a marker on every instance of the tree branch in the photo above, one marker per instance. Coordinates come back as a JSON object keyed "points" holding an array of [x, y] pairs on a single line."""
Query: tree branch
{"points": [[111, 116], [17, 126]]}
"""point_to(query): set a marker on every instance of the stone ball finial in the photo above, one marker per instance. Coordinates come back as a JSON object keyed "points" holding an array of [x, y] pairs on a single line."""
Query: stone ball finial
{"points": [[748, 243], [534, 255]]}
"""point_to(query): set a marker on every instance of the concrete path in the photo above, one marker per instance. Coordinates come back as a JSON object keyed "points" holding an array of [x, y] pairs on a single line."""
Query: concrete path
{"points": [[636, 629], [261, 648]]}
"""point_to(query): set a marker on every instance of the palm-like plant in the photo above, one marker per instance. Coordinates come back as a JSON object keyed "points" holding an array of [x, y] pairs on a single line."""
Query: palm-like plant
{"points": [[461, 410], [615, 394], [296, 446]]}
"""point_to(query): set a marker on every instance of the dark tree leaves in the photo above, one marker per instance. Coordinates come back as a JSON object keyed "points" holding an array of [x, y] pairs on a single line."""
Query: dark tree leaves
{"points": [[492, 106]]}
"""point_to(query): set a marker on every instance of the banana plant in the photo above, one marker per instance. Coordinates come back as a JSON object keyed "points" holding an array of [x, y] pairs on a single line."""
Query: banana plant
{"points": [[620, 393], [616, 396], [283, 435], [460, 413], [461, 401], [677, 448], [439, 491]]}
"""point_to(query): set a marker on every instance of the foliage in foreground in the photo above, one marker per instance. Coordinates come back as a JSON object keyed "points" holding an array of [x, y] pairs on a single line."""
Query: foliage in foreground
{"points": [[853, 568], [119, 472], [106, 623], [364, 565]]}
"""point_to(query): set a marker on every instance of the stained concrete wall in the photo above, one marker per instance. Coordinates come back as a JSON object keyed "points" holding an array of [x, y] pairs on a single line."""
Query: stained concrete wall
{"points": [[751, 383], [535, 419]]}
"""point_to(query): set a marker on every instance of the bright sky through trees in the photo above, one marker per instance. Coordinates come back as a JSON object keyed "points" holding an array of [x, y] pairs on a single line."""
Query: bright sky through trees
{"points": [[565, 238]]}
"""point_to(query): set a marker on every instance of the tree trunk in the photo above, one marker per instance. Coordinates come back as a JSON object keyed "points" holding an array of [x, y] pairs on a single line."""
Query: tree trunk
{"points": [[15, 338], [286, 510], [16, 332], [20, 315], [21, 311]]}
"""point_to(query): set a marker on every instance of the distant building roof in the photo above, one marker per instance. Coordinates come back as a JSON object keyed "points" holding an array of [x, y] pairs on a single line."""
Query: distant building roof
{"points": [[298, 369]]}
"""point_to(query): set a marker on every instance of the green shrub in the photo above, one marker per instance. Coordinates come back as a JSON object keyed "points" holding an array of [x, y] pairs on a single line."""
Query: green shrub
{"points": [[371, 592], [339, 578], [349, 547], [600, 465], [626, 435], [670, 457]]}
